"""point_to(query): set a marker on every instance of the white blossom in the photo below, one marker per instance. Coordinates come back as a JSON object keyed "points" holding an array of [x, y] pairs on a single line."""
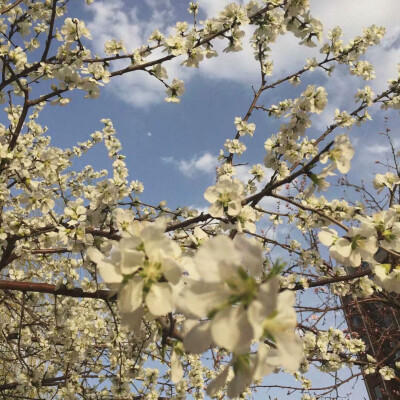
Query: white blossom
{"points": [[225, 196]]}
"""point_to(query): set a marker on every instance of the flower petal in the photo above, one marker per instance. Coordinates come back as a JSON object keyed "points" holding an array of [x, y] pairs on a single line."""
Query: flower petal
{"points": [[240, 382], [171, 270], [234, 208], [262, 368], [231, 329], [198, 339], [131, 295], [131, 260], [291, 351], [199, 298], [159, 299], [133, 320], [326, 236], [216, 210], [217, 258], [176, 368], [218, 382], [251, 254]]}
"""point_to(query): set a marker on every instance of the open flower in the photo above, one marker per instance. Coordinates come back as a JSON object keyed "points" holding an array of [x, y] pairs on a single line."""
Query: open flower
{"points": [[315, 99], [73, 29], [225, 196], [176, 89], [387, 278], [277, 325], [341, 154], [388, 180], [224, 288], [143, 269], [359, 244], [244, 127], [318, 181], [387, 227]]}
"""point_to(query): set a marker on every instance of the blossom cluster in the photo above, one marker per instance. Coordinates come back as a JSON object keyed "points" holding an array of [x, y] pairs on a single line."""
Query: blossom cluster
{"points": [[98, 286]]}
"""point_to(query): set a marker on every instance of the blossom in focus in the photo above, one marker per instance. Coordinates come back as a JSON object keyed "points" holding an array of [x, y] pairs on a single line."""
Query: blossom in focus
{"points": [[73, 29], [387, 277], [244, 127], [225, 196], [176, 89], [359, 244], [388, 180], [341, 154], [143, 268]]}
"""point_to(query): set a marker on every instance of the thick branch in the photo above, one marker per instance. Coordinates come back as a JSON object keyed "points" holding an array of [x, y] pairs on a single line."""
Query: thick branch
{"points": [[10, 7], [341, 278], [25, 287]]}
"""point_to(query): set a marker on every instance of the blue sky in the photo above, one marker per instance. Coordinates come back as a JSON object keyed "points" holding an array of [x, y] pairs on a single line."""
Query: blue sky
{"points": [[165, 141], [172, 148]]}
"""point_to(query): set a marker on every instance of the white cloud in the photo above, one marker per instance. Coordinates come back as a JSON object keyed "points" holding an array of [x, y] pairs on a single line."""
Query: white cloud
{"points": [[376, 148], [204, 164], [238, 66], [244, 175], [288, 56], [213, 7], [353, 15], [201, 209], [117, 20]]}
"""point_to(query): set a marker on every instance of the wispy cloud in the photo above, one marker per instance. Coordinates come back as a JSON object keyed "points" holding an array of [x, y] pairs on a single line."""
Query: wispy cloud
{"points": [[204, 164], [376, 148], [115, 20], [134, 23]]}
